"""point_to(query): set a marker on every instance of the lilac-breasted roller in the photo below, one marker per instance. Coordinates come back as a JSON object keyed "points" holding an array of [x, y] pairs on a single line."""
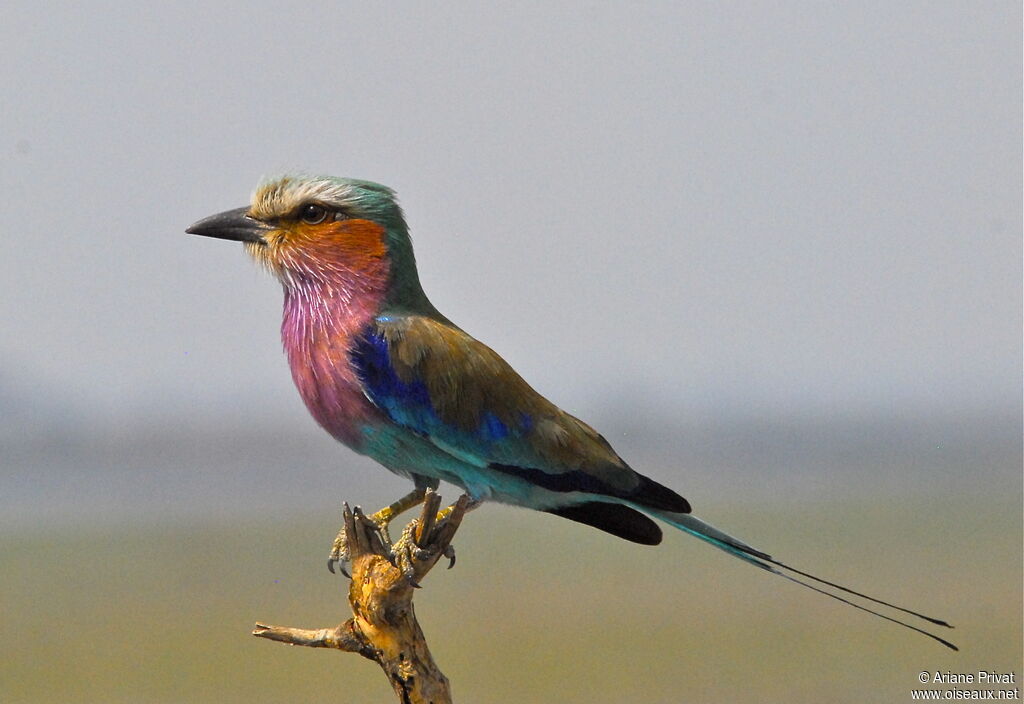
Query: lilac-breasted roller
{"points": [[384, 372]]}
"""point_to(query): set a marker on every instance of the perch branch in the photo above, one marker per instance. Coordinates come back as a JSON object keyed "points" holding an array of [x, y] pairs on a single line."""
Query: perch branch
{"points": [[383, 627]]}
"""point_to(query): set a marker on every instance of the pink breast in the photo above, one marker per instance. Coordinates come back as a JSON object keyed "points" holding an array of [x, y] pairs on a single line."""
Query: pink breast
{"points": [[317, 332]]}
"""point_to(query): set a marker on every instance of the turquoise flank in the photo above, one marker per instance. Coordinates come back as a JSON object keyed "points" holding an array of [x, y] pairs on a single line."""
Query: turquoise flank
{"points": [[402, 451]]}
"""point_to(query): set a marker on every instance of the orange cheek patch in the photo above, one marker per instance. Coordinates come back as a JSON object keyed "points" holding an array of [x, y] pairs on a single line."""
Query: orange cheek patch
{"points": [[359, 243]]}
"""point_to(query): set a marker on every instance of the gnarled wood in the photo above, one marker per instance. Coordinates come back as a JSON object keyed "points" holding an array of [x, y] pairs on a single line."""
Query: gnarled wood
{"points": [[383, 627]]}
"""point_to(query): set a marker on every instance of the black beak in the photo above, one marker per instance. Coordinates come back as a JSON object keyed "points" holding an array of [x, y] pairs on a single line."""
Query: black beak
{"points": [[231, 225]]}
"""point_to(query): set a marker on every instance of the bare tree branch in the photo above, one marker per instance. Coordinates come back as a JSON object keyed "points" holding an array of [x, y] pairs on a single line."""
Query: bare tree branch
{"points": [[383, 627]]}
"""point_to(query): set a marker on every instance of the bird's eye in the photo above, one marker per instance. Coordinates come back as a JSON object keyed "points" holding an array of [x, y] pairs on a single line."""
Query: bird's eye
{"points": [[312, 214]]}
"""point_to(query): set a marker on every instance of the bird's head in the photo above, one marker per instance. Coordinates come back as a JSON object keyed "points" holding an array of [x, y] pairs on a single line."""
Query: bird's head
{"points": [[323, 229]]}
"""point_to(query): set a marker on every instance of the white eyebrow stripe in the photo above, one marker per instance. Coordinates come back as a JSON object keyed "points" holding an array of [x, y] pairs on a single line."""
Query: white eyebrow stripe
{"points": [[283, 195]]}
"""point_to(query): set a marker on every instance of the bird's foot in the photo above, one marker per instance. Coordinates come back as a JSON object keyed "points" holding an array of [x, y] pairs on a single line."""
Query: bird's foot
{"points": [[470, 504], [405, 552], [449, 552], [376, 523], [412, 546], [340, 554]]}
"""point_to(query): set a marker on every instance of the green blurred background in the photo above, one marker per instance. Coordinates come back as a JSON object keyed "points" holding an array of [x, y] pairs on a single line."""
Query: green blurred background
{"points": [[534, 611], [772, 251]]}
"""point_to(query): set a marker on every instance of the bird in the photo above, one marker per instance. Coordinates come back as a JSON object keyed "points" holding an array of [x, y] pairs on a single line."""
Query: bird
{"points": [[388, 375]]}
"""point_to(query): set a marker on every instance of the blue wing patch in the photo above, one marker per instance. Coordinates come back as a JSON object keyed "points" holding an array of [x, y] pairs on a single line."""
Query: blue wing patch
{"points": [[406, 403]]}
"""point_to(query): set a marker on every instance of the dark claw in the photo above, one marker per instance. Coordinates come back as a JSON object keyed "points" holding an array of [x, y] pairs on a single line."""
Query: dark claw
{"points": [[415, 584], [449, 552], [341, 567]]}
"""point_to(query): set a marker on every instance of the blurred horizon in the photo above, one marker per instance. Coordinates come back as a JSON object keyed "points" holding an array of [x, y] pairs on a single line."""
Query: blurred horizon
{"points": [[198, 466]]}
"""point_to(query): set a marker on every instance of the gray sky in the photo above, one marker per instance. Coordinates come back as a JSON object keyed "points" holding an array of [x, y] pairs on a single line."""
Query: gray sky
{"points": [[766, 208]]}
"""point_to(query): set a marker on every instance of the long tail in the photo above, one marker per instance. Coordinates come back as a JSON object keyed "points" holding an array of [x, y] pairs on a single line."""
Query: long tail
{"points": [[737, 548]]}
